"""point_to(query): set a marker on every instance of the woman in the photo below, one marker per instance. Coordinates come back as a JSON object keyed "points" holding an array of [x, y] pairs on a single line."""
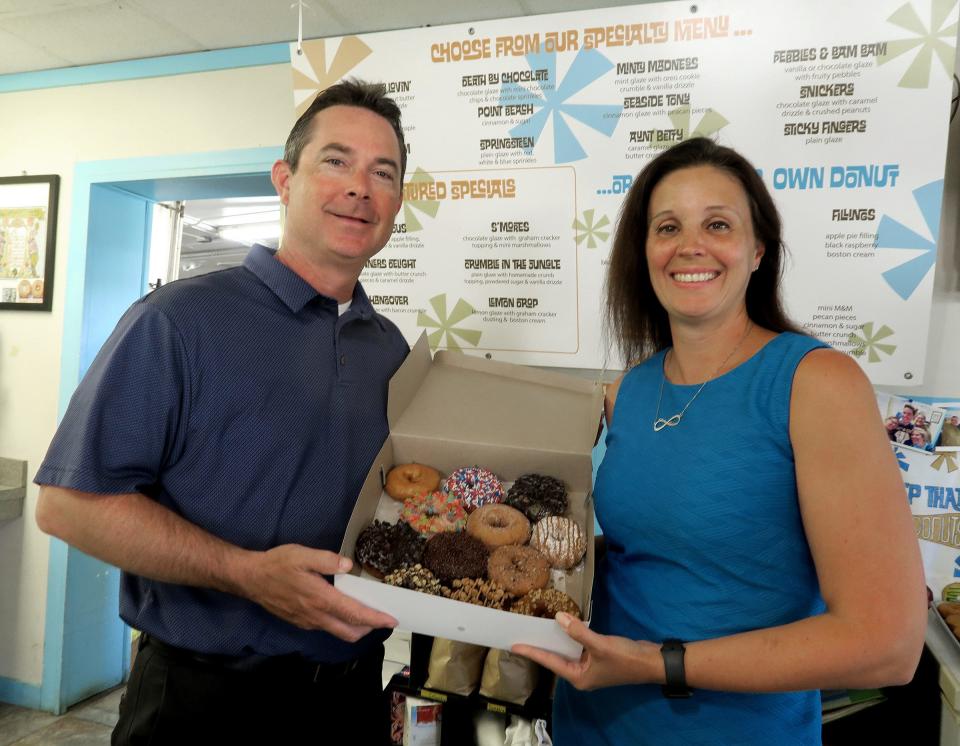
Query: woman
{"points": [[777, 561]]}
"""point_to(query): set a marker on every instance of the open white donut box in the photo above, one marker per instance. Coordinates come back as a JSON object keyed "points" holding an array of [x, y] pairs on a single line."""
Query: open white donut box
{"points": [[455, 410]]}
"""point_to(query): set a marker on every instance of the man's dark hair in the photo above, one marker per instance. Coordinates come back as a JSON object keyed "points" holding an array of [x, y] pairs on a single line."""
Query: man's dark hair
{"points": [[634, 316], [348, 92]]}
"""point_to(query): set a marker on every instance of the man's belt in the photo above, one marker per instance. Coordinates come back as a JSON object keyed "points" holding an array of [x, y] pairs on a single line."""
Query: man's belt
{"points": [[282, 666]]}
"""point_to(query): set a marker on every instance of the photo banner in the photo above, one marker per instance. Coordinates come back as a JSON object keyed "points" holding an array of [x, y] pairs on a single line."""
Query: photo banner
{"points": [[932, 482], [524, 134]]}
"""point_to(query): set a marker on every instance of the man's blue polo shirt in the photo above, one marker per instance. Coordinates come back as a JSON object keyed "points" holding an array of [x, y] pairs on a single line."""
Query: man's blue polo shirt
{"points": [[244, 403]]}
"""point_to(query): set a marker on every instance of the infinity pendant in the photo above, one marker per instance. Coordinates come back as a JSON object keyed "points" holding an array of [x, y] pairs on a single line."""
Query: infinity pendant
{"points": [[662, 423]]}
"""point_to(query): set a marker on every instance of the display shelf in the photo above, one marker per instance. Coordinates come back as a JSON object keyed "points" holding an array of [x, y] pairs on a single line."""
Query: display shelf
{"points": [[458, 710]]}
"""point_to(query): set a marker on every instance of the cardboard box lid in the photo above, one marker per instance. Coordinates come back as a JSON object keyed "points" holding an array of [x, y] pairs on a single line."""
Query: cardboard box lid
{"points": [[458, 398]]}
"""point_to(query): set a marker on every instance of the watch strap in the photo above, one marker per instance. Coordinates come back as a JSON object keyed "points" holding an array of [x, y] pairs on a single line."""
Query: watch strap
{"points": [[676, 679]]}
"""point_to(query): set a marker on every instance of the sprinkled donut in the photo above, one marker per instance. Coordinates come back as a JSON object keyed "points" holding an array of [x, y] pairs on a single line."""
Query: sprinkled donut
{"points": [[546, 602], [411, 480], [474, 486], [383, 547], [455, 555], [434, 513], [518, 569], [538, 496], [560, 539], [498, 525]]}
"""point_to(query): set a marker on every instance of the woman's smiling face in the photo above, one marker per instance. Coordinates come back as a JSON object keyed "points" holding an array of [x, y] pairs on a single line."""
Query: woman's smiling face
{"points": [[701, 246]]}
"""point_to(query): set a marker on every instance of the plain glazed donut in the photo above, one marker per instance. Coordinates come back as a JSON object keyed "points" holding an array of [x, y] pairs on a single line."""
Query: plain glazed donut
{"points": [[434, 513], [498, 525], [560, 539], [546, 603], [411, 480], [518, 569]]}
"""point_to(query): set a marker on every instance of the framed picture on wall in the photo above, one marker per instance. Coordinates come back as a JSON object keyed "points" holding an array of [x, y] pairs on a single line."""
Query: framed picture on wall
{"points": [[28, 232]]}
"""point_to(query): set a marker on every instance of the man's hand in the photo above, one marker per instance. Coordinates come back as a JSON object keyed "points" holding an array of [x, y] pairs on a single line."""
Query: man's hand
{"points": [[288, 582]]}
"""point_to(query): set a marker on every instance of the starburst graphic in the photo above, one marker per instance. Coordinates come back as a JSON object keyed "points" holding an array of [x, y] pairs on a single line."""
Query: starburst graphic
{"points": [[891, 234], [310, 71], [867, 342], [931, 41], [588, 66], [591, 231], [710, 123], [901, 459], [945, 459], [447, 325], [412, 201]]}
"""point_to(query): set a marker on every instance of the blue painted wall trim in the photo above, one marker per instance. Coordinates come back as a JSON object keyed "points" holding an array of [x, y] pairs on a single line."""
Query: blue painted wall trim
{"points": [[133, 176], [18, 693], [151, 67]]}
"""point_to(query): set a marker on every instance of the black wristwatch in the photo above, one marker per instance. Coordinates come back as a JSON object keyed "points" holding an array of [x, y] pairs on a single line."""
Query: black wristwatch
{"points": [[676, 685]]}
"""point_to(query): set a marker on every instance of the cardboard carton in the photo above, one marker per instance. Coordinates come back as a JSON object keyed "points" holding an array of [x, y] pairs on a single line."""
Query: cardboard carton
{"points": [[453, 411]]}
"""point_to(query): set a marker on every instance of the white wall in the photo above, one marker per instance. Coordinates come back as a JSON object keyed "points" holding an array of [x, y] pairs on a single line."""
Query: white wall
{"points": [[49, 132]]}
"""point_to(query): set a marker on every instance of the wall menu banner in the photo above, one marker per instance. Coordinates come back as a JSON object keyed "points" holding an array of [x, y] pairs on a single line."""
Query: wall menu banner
{"points": [[932, 482], [524, 134]]}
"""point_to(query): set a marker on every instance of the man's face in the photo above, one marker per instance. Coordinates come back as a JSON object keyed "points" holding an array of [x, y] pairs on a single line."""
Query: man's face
{"points": [[346, 191], [954, 420], [907, 415]]}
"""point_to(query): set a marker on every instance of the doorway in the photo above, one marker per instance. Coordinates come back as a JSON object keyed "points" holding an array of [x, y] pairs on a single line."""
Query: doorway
{"points": [[86, 645]]}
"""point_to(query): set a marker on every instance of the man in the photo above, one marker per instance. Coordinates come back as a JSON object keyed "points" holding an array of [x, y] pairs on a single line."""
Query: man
{"points": [[950, 436], [215, 449]]}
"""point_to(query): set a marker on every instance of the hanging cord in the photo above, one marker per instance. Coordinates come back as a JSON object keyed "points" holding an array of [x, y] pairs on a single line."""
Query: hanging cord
{"points": [[955, 101], [299, 5]]}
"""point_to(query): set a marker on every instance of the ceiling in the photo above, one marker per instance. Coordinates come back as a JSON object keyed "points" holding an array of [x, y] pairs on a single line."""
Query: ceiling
{"points": [[47, 34]]}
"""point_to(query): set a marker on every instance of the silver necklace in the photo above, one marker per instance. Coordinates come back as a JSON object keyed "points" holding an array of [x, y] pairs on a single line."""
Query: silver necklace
{"points": [[659, 422]]}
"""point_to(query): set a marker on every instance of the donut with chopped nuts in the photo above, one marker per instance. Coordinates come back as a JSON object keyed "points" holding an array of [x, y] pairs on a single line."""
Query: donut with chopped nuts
{"points": [[546, 603]]}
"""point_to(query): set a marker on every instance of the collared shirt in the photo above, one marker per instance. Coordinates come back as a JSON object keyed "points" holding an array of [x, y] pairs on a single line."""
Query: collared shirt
{"points": [[244, 403]]}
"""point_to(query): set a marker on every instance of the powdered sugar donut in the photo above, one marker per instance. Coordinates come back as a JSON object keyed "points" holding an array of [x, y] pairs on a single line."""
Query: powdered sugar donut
{"points": [[474, 486], [560, 539]]}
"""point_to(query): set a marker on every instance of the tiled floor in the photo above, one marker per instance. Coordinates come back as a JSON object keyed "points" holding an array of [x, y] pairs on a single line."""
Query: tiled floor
{"points": [[89, 723], [85, 724]]}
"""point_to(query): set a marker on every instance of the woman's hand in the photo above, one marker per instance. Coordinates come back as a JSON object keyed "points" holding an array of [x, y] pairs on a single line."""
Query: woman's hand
{"points": [[606, 660]]}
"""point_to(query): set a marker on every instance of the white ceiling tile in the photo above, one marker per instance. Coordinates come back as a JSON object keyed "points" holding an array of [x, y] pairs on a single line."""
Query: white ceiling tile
{"points": [[17, 55], [87, 35]]}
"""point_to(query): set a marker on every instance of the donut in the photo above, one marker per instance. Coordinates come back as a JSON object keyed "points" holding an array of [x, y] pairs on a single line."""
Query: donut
{"points": [[455, 555], [497, 525], [474, 486], [480, 592], [538, 496], [518, 569], [416, 578], [560, 539], [383, 547], [546, 602], [947, 608], [434, 513], [411, 480]]}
